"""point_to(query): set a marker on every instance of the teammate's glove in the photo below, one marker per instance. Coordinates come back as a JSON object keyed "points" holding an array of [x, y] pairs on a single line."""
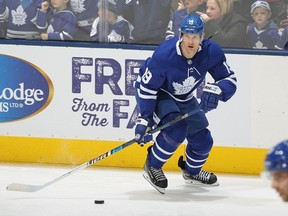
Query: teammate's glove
{"points": [[141, 129], [210, 97]]}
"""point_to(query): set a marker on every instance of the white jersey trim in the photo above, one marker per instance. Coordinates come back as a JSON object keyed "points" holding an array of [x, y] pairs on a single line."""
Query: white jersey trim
{"points": [[149, 91], [189, 97], [146, 96]]}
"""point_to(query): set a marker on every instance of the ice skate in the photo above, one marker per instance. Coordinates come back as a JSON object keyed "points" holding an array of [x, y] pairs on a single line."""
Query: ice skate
{"points": [[204, 178], [155, 177]]}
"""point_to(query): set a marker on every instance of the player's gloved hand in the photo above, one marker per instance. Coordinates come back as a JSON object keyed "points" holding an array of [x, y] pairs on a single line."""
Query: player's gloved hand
{"points": [[141, 129], [210, 97]]}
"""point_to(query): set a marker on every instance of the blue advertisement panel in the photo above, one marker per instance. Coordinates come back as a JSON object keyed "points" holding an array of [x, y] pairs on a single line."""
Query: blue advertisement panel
{"points": [[25, 89]]}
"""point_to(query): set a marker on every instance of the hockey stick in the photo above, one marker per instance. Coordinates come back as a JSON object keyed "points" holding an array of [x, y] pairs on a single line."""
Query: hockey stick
{"points": [[33, 188]]}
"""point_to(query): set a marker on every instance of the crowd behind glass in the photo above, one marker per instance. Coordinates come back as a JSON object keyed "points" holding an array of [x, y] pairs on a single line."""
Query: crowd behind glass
{"points": [[231, 23]]}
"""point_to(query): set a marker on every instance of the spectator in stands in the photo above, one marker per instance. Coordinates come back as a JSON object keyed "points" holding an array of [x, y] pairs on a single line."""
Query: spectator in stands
{"points": [[21, 18], [177, 4], [284, 17], [181, 4], [190, 6], [243, 7], [58, 21], [86, 11], [149, 17], [223, 25], [284, 38], [118, 29], [278, 13], [263, 33], [284, 27]]}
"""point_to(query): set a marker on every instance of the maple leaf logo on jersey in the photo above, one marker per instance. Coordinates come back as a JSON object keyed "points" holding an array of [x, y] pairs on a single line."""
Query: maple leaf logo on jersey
{"points": [[259, 45], [19, 16], [77, 6], [184, 88], [50, 29]]}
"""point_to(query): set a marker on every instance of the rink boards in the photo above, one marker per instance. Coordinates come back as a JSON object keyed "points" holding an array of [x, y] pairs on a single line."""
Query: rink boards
{"points": [[75, 152], [67, 105]]}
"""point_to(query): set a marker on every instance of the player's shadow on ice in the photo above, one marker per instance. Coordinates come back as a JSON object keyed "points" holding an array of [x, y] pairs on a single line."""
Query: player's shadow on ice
{"points": [[183, 193]]}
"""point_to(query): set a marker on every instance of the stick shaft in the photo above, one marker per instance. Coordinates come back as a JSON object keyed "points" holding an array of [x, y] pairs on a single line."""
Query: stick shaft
{"points": [[33, 188]]}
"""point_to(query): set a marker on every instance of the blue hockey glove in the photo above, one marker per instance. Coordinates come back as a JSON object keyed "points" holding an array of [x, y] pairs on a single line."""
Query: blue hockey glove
{"points": [[141, 129], [210, 97]]}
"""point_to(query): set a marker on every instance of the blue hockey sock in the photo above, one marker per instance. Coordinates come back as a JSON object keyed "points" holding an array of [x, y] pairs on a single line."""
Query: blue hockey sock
{"points": [[161, 151]]}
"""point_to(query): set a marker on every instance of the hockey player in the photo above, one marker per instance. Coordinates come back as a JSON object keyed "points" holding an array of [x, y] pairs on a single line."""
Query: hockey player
{"points": [[21, 18], [276, 163], [59, 21], [165, 88]]}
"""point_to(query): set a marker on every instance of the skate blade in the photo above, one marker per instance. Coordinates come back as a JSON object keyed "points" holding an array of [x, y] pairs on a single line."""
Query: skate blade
{"points": [[198, 183], [160, 190]]}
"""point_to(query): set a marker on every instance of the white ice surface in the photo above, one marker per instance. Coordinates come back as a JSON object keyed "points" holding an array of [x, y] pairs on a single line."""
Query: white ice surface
{"points": [[127, 193]]}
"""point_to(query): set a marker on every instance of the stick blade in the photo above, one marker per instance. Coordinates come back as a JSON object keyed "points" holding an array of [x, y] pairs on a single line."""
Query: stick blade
{"points": [[23, 187]]}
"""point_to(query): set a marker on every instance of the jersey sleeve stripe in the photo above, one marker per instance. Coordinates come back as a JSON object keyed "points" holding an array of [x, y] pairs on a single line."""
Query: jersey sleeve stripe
{"points": [[146, 90], [231, 78], [153, 97]]}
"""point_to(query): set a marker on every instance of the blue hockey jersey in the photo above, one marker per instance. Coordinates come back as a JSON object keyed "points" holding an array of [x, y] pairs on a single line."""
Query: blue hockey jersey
{"points": [[85, 11], [119, 31], [60, 25], [266, 38], [21, 16], [169, 72]]}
